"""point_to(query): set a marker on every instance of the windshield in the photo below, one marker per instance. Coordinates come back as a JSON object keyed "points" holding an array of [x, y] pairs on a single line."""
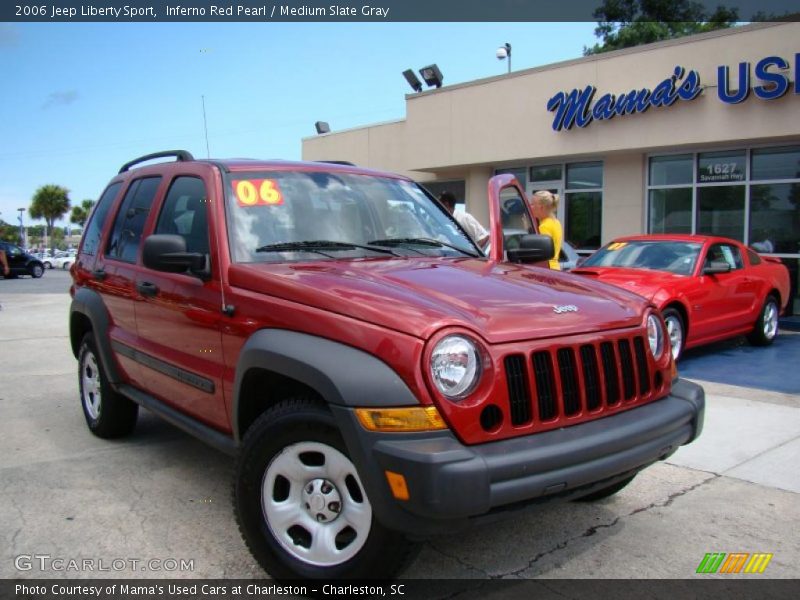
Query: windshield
{"points": [[279, 216], [673, 257]]}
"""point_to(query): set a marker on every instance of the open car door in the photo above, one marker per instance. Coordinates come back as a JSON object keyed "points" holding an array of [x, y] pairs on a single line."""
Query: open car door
{"points": [[512, 230]]}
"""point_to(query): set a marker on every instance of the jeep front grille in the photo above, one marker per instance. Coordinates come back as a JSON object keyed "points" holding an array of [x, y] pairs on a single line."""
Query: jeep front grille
{"points": [[568, 381]]}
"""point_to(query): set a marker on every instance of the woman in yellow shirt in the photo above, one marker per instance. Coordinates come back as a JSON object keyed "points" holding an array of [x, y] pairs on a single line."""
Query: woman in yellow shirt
{"points": [[544, 205]]}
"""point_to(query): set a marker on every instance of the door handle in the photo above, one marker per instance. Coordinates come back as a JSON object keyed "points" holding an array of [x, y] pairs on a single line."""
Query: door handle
{"points": [[99, 274], [146, 288]]}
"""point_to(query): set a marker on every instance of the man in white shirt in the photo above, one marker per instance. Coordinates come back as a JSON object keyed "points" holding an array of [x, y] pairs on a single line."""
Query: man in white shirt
{"points": [[470, 224]]}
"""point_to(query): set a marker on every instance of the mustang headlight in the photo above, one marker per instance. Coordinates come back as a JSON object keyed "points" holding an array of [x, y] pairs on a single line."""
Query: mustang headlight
{"points": [[455, 366], [655, 336]]}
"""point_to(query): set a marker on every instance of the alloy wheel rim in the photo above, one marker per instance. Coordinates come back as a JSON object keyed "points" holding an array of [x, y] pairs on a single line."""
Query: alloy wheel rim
{"points": [[90, 377], [770, 320], [314, 504], [675, 333]]}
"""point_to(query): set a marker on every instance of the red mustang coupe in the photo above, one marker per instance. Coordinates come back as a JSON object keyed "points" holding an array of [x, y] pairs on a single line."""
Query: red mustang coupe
{"points": [[708, 288]]}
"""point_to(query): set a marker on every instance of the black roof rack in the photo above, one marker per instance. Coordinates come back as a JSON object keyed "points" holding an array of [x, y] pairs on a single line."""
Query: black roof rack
{"points": [[180, 155]]}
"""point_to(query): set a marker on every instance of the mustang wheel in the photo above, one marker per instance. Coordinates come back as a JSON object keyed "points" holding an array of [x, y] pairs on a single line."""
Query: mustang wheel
{"points": [[108, 414], [766, 328], [675, 330], [300, 503]]}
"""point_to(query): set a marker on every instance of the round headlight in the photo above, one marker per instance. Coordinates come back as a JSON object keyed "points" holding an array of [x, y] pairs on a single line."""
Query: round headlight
{"points": [[455, 366], [655, 336]]}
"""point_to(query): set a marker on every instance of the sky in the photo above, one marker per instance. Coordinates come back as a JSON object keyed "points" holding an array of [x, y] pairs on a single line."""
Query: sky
{"points": [[81, 99]]}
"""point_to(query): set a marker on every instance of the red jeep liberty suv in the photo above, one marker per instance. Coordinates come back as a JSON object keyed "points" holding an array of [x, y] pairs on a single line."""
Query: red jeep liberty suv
{"points": [[376, 376]]}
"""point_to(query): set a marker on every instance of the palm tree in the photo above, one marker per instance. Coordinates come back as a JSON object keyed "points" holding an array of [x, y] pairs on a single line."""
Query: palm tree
{"points": [[51, 203], [80, 214]]}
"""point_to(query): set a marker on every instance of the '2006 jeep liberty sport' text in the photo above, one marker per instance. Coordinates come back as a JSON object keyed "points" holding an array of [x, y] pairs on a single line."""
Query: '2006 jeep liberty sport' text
{"points": [[376, 376]]}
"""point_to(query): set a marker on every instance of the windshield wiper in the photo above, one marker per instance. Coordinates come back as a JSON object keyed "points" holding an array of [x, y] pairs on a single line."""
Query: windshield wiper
{"points": [[318, 246], [420, 242]]}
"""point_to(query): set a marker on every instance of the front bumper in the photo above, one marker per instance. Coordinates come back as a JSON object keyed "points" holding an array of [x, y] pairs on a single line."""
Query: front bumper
{"points": [[450, 483]]}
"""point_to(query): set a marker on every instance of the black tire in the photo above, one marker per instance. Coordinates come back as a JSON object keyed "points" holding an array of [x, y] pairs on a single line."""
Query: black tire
{"points": [[676, 331], [47, 265], [290, 452], [36, 270], [606, 491], [766, 329], [108, 414]]}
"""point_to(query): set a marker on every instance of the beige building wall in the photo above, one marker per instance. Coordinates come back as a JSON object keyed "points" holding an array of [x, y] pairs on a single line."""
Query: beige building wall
{"points": [[468, 130]]}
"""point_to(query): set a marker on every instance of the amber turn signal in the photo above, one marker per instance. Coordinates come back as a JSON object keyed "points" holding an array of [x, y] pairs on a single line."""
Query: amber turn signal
{"points": [[398, 485], [410, 418]]}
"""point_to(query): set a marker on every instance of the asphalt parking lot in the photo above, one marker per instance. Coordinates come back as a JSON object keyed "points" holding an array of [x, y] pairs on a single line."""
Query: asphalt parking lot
{"points": [[161, 495]]}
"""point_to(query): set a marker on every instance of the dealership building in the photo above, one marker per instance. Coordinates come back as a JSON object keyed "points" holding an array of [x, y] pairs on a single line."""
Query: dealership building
{"points": [[695, 135]]}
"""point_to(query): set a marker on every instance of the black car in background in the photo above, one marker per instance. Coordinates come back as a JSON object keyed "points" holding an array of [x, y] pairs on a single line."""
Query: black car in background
{"points": [[20, 262]]}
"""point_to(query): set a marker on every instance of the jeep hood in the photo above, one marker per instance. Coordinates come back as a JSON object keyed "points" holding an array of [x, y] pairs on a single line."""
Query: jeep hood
{"points": [[501, 302]]}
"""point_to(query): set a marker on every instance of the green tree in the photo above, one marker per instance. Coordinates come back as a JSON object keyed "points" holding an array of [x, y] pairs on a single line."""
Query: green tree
{"points": [[627, 23], [8, 232], [80, 214], [51, 203]]}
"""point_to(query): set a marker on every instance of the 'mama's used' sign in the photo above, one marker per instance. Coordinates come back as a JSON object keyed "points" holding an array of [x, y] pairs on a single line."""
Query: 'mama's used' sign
{"points": [[578, 107]]}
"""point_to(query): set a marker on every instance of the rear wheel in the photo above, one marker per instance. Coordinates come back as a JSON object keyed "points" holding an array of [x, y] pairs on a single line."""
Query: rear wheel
{"points": [[108, 414], [766, 329], [676, 331], [300, 503]]}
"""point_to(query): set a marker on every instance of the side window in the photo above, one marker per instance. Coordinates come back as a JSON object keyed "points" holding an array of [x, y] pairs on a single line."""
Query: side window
{"points": [[97, 220], [725, 253], [514, 213], [185, 213], [127, 234], [755, 259]]}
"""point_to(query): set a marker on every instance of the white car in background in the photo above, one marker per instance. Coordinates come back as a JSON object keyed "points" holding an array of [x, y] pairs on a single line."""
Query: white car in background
{"points": [[63, 262]]}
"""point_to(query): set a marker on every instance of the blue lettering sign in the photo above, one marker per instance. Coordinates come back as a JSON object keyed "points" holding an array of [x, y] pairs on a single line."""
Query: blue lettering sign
{"points": [[723, 84], [780, 83], [571, 108], [576, 107]]}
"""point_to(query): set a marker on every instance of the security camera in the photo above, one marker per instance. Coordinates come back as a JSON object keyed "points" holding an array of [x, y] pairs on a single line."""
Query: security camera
{"points": [[502, 53]]}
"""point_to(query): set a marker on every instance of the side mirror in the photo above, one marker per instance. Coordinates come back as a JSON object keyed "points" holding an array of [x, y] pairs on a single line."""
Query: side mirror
{"points": [[715, 267], [532, 248], [167, 252]]}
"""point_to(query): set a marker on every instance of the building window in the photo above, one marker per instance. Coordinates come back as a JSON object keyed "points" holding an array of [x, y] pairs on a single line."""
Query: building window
{"points": [[720, 211], [545, 173], [751, 195], [518, 172], [671, 210], [457, 188], [748, 195], [583, 204]]}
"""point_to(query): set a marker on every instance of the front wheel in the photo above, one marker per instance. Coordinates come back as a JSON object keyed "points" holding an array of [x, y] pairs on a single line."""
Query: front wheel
{"points": [[108, 414], [676, 331], [766, 329], [37, 271], [300, 503]]}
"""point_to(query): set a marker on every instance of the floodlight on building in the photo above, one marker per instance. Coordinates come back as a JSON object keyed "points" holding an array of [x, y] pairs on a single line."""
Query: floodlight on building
{"points": [[322, 127], [504, 52], [412, 80], [432, 76]]}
